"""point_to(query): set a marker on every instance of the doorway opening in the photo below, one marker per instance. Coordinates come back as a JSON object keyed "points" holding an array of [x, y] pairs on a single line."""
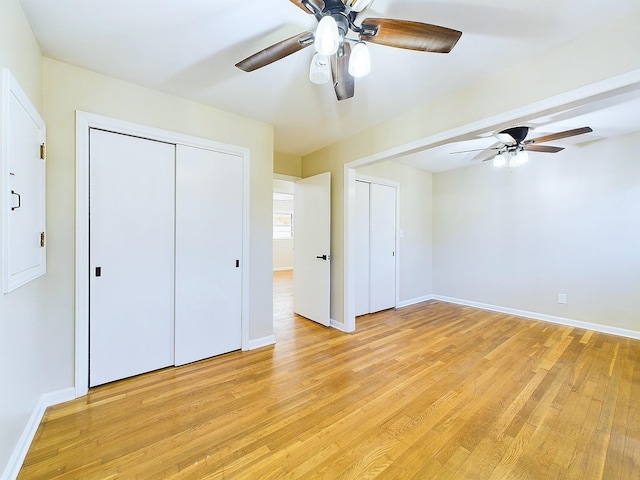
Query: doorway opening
{"points": [[283, 202], [283, 244]]}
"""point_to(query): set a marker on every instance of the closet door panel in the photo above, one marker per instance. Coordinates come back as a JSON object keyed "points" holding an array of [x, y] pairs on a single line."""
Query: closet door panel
{"points": [[131, 277], [382, 247], [208, 252]]}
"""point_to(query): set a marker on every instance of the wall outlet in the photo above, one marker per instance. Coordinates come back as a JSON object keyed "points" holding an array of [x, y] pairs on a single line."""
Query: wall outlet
{"points": [[562, 298]]}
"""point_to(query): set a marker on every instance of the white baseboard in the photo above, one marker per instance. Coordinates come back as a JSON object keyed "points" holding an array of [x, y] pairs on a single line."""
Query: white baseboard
{"points": [[262, 342], [281, 269], [22, 447], [621, 332], [413, 301]]}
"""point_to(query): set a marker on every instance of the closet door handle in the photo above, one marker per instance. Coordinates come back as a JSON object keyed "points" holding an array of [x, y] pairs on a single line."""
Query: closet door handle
{"points": [[19, 200]]}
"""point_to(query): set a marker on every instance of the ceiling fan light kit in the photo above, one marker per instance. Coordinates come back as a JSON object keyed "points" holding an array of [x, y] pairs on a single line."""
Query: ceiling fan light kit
{"points": [[319, 71], [360, 60], [516, 159], [500, 160], [336, 32], [327, 39]]}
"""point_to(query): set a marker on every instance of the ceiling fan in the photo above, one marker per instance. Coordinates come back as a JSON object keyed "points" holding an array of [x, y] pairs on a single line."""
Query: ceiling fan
{"points": [[334, 36], [513, 147]]}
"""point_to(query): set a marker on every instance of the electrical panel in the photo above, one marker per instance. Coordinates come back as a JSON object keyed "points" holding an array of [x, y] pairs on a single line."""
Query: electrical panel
{"points": [[22, 172]]}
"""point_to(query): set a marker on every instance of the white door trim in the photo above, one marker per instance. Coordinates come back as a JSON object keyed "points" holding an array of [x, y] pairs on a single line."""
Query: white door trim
{"points": [[380, 181], [287, 178], [85, 121]]}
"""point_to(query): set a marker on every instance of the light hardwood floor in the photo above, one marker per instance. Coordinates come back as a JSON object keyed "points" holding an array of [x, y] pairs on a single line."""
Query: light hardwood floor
{"points": [[428, 391]]}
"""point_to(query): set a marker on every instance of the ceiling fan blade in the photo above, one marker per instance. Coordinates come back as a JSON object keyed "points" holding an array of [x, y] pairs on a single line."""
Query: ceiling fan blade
{"points": [[559, 135], [276, 52], [319, 4], [475, 150], [543, 148], [409, 35], [343, 82]]}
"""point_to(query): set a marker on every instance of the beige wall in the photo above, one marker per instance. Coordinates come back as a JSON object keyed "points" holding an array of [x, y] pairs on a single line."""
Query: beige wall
{"points": [[604, 54], [25, 355], [283, 254], [415, 212], [37, 320], [19, 51], [69, 88], [287, 164], [567, 223]]}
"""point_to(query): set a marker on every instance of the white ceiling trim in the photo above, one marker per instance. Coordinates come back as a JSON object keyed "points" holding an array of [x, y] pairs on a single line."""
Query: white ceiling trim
{"points": [[573, 98]]}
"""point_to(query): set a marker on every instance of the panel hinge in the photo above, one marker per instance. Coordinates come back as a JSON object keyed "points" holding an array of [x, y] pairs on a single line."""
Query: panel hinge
{"points": [[43, 151], [42, 236]]}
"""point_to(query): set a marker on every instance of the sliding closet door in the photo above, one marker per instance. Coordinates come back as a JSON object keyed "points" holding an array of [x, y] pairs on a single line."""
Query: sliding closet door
{"points": [[131, 275], [382, 247], [208, 253]]}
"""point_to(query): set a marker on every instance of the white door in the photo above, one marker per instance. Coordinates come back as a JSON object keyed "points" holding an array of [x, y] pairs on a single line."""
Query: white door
{"points": [[362, 248], [382, 247], [311, 252], [131, 235], [208, 253]]}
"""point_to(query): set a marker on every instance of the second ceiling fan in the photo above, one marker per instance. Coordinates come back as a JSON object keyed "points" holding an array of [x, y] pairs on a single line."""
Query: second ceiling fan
{"points": [[336, 57], [513, 145]]}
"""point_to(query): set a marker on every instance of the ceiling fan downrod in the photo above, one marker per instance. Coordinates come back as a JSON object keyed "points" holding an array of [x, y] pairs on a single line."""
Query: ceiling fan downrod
{"points": [[343, 15]]}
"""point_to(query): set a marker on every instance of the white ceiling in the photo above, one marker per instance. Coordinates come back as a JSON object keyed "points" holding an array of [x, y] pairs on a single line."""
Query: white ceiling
{"points": [[189, 48], [609, 115]]}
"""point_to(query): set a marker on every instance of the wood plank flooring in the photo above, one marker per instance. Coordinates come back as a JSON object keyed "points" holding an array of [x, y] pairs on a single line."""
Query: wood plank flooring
{"points": [[429, 391]]}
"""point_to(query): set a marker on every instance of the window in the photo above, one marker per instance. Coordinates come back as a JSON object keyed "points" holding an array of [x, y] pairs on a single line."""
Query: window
{"points": [[282, 225], [282, 215]]}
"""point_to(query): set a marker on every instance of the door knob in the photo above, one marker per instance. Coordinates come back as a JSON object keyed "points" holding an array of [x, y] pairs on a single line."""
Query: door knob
{"points": [[323, 257]]}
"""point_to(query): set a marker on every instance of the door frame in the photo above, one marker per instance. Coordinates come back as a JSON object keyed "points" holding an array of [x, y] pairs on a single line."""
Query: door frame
{"points": [[84, 122], [396, 185]]}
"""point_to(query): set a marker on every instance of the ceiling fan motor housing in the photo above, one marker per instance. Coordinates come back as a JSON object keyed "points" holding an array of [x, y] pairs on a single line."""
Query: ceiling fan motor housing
{"points": [[344, 18], [343, 23], [517, 133], [334, 6]]}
